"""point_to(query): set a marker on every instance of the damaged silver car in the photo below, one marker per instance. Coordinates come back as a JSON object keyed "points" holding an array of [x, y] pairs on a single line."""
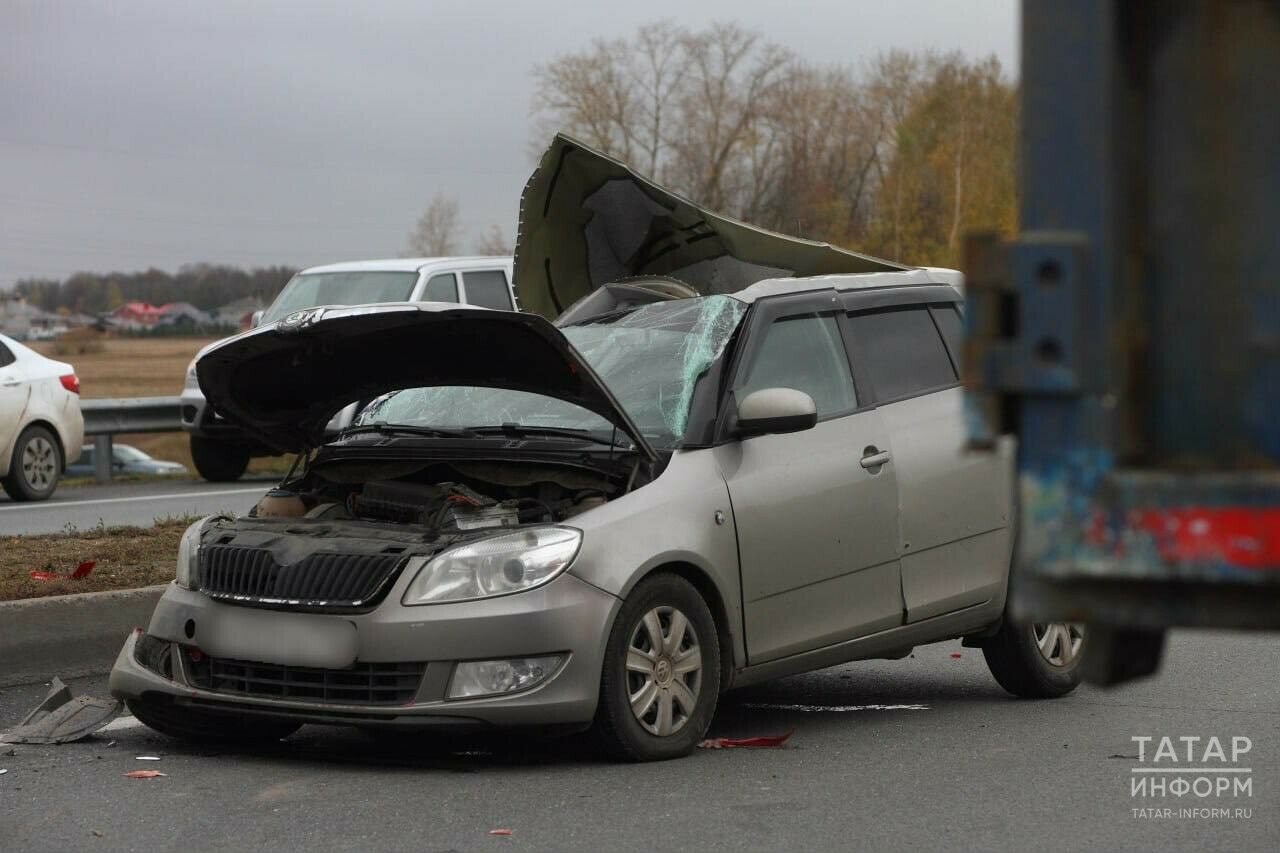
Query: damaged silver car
{"points": [[733, 456]]}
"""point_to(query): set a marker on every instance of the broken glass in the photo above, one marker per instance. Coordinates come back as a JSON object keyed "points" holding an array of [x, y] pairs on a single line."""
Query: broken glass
{"points": [[649, 357]]}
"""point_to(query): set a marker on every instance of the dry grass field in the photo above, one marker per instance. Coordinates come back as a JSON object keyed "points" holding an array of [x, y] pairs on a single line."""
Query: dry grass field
{"points": [[143, 367], [125, 557]]}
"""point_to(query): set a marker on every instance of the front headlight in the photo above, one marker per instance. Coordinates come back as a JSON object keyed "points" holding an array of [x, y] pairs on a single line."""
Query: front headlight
{"points": [[188, 551], [512, 562]]}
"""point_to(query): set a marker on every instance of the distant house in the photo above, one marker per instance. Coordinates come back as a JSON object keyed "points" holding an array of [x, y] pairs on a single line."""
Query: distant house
{"points": [[182, 315], [238, 314], [25, 322], [134, 315]]}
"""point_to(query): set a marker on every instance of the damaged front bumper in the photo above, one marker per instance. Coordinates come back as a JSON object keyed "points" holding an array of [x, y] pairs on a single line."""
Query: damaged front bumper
{"points": [[389, 667]]}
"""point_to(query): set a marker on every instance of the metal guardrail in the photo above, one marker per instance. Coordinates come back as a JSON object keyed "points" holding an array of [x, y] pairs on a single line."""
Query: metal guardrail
{"points": [[104, 418]]}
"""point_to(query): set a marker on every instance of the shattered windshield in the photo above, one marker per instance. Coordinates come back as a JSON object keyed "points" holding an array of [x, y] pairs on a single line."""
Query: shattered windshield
{"points": [[649, 357]]}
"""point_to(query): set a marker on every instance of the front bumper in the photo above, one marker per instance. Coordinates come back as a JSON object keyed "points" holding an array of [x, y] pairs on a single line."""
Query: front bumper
{"points": [[567, 616]]}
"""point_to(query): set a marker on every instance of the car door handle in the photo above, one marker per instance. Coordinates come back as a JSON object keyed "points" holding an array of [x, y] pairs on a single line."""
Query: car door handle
{"points": [[10, 383], [875, 460]]}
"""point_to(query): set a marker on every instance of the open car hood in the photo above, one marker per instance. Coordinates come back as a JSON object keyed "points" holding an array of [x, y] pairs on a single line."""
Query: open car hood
{"points": [[284, 381], [587, 220]]}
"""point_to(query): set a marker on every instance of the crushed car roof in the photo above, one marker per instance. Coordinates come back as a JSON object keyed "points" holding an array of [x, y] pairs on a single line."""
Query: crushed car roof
{"points": [[587, 219]]}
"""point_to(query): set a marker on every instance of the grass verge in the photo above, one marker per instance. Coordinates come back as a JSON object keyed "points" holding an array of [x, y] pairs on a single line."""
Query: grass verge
{"points": [[126, 557]]}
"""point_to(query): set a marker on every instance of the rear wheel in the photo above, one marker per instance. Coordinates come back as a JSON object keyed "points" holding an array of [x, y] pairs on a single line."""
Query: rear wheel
{"points": [[203, 727], [35, 466], [1036, 661], [661, 676], [218, 461]]}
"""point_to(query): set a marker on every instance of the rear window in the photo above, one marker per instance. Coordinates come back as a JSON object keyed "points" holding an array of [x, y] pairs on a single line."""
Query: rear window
{"points": [[903, 351], [488, 289]]}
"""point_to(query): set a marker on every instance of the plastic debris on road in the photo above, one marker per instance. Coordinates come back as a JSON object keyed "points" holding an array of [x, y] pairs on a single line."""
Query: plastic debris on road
{"points": [[146, 758], [499, 832], [144, 774], [62, 718], [763, 741], [81, 571]]}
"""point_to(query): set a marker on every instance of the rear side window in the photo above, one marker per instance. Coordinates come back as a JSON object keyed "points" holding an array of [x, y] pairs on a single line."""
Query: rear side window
{"points": [[488, 289], [804, 353], [903, 351], [952, 327], [6, 357], [441, 288]]}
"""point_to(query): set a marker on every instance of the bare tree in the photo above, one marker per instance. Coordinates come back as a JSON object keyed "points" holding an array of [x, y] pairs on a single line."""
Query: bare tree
{"points": [[493, 242], [438, 228]]}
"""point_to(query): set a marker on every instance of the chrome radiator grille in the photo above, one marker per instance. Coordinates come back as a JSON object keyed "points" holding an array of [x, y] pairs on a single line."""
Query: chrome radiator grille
{"points": [[317, 581]]}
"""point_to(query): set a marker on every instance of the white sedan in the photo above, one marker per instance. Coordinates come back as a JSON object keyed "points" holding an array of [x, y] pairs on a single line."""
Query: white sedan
{"points": [[39, 419]]}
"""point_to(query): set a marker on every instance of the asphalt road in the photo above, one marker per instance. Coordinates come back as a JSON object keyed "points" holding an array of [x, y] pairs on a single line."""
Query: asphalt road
{"points": [[923, 753], [135, 503]]}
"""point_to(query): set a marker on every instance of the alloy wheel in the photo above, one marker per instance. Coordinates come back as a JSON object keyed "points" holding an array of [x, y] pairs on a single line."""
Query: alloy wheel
{"points": [[39, 463], [664, 671], [1059, 642]]}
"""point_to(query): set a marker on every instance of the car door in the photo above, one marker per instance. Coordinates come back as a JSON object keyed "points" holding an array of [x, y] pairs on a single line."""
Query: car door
{"points": [[14, 390], [954, 505], [816, 511]]}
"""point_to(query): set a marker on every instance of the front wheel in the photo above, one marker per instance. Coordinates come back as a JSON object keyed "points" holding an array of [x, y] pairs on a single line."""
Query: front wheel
{"points": [[218, 461], [1036, 661], [661, 676]]}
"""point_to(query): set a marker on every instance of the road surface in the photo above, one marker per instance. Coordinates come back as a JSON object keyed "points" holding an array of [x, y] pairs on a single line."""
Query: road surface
{"points": [[925, 753], [135, 503]]}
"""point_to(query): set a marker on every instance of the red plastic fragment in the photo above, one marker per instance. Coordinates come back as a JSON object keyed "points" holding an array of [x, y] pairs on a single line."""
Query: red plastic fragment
{"points": [[144, 774], [499, 832], [955, 655], [748, 742], [82, 571]]}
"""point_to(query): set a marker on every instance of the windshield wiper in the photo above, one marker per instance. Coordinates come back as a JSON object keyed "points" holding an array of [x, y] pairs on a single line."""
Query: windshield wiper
{"points": [[522, 431], [407, 429]]}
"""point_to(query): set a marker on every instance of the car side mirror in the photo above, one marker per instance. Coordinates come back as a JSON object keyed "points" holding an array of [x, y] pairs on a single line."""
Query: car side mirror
{"points": [[255, 319], [773, 410]]}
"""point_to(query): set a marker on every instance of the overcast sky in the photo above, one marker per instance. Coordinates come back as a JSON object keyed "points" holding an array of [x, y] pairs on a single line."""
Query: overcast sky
{"points": [[136, 134]]}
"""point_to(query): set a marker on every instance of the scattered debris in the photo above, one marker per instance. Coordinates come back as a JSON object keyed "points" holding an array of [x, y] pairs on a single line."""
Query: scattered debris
{"points": [[1118, 755], [829, 709], [3, 770], [146, 758], [97, 833], [144, 774], [956, 655], [81, 571], [499, 832], [748, 742], [62, 718]]}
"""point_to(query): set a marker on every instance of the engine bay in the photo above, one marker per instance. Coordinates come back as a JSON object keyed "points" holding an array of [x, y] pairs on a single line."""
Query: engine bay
{"points": [[441, 497]]}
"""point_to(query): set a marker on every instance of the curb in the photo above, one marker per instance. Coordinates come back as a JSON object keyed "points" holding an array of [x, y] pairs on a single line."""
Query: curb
{"points": [[69, 635]]}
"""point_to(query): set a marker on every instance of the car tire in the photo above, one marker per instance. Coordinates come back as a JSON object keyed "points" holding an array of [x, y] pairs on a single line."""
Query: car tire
{"points": [[218, 461], [662, 632], [1036, 661], [197, 726], [35, 466]]}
